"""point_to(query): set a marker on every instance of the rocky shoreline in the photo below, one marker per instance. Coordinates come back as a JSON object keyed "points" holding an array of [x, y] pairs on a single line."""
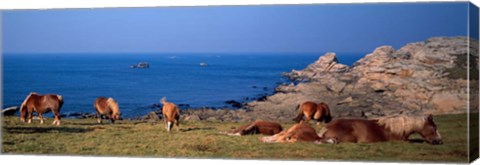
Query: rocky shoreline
{"points": [[428, 77], [419, 78]]}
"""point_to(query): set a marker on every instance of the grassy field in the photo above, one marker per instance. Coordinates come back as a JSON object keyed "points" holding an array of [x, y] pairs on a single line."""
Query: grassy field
{"points": [[202, 140]]}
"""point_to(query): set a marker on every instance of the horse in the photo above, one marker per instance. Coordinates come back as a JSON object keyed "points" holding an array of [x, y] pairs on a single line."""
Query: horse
{"points": [[171, 114], [35, 102], [257, 127], [301, 132], [320, 112], [398, 127], [106, 107]]}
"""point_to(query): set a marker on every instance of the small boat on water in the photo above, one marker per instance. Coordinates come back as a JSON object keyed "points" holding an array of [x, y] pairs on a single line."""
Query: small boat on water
{"points": [[141, 65], [203, 64]]}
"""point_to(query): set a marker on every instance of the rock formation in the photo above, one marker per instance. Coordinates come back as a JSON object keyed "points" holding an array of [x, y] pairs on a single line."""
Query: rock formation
{"points": [[421, 77], [10, 111]]}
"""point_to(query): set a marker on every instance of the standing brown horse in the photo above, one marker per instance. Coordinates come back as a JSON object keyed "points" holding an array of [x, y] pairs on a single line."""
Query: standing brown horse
{"points": [[35, 102], [106, 107], [257, 127], [171, 114], [320, 112], [381, 129]]}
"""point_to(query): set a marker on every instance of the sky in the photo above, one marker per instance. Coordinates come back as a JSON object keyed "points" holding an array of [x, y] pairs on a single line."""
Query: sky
{"points": [[230, 29]]}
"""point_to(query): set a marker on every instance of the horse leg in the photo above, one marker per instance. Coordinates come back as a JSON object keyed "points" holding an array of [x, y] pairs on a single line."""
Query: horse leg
{"points": [[99, 118], [177, 122], [40, 115], [56, 120], [30, 116], [112, 121], [165, 122], [169, 126]]}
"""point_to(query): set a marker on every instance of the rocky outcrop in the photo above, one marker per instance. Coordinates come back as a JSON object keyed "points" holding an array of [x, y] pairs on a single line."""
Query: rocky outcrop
{"points": [[421, 77], [10, 111]]}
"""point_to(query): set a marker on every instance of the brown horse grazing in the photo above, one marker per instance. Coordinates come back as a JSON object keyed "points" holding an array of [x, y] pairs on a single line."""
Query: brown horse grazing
{"points": [[381, 129], [171, 114], [320, 112], [35, 102], [257, 127], [301, 132], [106, 107]]}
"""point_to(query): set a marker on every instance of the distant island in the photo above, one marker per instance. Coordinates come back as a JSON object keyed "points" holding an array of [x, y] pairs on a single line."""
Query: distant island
{"points": [[141, 65]]}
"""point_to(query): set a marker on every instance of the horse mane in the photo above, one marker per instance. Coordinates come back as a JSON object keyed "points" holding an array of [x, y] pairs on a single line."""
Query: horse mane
{"points": [[401, 124], [112, 103], [26, 99]]}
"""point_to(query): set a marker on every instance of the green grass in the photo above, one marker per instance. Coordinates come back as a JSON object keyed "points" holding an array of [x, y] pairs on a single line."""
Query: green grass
{"points": [[201, 140]]}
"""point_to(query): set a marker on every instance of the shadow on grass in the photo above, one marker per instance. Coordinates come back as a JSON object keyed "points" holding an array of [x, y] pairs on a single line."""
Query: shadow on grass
{"points": [[31, 130], [416, 141], [195, 129]]}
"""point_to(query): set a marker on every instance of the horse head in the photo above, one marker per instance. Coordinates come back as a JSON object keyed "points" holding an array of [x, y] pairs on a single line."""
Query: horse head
{"points": [[24, 107], [23, 113], [429, 131], [113, 105]]}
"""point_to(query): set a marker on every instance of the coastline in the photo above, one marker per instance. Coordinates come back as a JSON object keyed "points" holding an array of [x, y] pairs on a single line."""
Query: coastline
{"points": [[415, 79]]}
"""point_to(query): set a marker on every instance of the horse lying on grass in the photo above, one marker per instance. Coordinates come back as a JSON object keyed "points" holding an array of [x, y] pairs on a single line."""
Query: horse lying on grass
{"points": [[171, 114], [106, 107], [319, 112], [301, 132], [257, 127], [381, 129], [35, 102]]}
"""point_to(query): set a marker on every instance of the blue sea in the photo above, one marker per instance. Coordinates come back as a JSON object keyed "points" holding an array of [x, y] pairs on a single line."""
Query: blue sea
{"points": [[80, 78]]}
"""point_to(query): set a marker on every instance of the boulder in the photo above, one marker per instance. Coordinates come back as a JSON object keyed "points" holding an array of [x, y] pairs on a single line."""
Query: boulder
{"points": [[234, 103], [152, 116], [10, 111], [192, 118]]}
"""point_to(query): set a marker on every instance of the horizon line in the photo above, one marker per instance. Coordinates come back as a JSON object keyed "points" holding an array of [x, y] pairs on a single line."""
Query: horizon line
{"points": [[173, 53]]}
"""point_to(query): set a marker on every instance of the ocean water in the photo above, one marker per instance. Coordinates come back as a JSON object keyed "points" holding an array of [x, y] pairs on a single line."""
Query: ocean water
{"points": [[82, 78]]}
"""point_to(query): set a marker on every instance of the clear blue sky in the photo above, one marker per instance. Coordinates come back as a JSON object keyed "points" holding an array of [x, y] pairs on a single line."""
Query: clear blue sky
{"points": [[230, 29]]}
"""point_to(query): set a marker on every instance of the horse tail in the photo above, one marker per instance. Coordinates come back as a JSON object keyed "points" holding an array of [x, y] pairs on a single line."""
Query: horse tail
{"points": [[299, 115], [328, 116], [60, 101]]}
